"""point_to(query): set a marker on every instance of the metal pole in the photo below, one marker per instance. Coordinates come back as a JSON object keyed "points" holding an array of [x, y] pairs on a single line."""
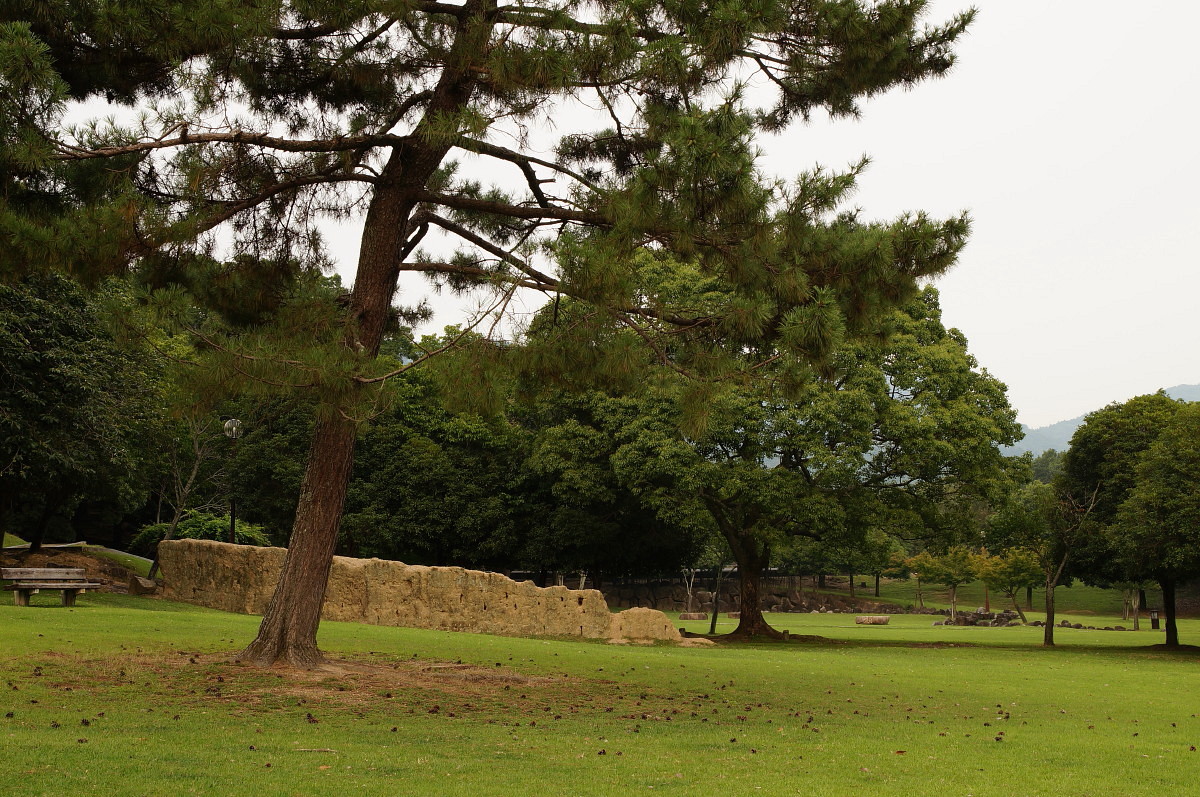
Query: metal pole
{"points": [[233, 430]]}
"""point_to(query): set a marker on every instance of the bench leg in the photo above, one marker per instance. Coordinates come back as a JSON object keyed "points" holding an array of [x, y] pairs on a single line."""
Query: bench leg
{"points": [[21, 596], [68, 598]]}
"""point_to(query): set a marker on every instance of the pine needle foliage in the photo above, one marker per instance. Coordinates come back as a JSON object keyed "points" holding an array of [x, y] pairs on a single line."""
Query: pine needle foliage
{"points": [[237, 129]]}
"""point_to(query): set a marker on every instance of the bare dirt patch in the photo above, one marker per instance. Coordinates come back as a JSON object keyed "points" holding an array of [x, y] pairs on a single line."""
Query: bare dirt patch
{"points": [[452, 689]]}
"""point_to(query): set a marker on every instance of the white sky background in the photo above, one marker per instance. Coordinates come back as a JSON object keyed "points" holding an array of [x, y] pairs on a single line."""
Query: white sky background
{"points": [[1068, 130]]}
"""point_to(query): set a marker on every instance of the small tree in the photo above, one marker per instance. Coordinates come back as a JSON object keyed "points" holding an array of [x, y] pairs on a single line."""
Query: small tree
{"points": [[1100, 472], [1009, 572], [953, 568], [1053, 527]]}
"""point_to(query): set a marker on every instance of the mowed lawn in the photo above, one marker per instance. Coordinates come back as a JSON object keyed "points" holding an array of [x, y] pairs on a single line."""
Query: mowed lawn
{"points": [[141, 697]]}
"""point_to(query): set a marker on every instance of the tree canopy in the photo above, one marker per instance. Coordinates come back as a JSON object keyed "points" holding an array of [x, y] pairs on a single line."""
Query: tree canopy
{"points": [[902, 437], [256, 122], [1100, 470], [1158, 524], [76, 410]]}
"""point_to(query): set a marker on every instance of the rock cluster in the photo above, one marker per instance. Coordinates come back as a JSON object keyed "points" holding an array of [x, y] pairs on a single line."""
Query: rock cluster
{"points": [[993, 619], [1069, 624]]}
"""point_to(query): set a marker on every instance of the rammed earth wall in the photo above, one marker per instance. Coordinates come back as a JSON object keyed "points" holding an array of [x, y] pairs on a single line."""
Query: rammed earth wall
{"points": [[241, 578]]}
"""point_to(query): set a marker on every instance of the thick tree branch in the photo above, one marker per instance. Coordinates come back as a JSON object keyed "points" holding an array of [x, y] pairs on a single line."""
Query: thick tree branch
{"points": [[523, 161], [477, 273], [546, 280]]}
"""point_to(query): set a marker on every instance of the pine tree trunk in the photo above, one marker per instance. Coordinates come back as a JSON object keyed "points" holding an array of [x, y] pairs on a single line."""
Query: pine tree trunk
{"points": [[288, 633], [289, 628]]}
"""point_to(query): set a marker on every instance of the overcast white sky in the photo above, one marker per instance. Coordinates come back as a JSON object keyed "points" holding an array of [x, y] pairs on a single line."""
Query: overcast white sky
{"points": [[1068, 131]]}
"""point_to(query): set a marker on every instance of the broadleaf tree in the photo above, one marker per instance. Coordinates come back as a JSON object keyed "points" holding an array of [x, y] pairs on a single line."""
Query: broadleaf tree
{"points": [[77, 412], [256, 122], [1055, 528], [1158, 523], [1100, 471], [903, 433]]}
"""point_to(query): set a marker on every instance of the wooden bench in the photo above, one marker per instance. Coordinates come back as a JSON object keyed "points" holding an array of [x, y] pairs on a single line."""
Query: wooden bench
{"points": [[27, 580]]}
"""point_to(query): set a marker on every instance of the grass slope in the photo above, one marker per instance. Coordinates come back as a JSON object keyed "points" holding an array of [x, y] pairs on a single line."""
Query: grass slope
{"points": [[133, 696]]}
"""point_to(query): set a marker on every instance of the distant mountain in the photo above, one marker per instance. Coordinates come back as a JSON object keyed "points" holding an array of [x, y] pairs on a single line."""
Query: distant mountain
{"points": [[1058, 435]]}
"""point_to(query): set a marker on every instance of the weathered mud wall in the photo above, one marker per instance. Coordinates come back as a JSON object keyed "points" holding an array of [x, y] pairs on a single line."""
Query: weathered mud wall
{"points": [[241, 578]]}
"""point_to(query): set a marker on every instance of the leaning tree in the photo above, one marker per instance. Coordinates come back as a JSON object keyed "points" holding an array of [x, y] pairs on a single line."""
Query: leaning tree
{"points": [[243, 126]]}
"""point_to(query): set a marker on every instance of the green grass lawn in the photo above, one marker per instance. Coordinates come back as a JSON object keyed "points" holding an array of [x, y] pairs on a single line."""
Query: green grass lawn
{"points": [[1078, 599], [135, 696]]}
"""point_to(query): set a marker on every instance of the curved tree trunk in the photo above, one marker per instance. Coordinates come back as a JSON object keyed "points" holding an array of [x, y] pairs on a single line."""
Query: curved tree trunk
{"points": [[716, 593], [288, 634], [289, 627], [1012, 596]]}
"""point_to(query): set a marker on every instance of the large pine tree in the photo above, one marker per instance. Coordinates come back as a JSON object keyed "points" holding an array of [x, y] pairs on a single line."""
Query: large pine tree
{"points": [[258, 120]]}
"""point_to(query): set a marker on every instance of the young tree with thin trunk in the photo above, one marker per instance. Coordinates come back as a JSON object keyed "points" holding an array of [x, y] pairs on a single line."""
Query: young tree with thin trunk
{"points": [[1054, 528], [1009, 573], [953, 568], [258, 121]]}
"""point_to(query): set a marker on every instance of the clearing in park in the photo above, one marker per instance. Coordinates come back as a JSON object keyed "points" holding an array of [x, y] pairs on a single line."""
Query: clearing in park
{"points": [[124, 695]]}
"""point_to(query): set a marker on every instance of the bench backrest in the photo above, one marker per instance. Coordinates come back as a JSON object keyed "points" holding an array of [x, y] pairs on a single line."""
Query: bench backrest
{"points": [[43, 573]]}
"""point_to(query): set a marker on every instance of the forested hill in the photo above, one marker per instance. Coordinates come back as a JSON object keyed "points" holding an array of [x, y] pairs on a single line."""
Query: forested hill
{"points": [[1058, 435]]}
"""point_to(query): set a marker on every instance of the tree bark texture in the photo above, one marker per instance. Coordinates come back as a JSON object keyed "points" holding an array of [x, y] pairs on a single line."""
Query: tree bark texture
{"points": [[751, 558], [288, 633]]}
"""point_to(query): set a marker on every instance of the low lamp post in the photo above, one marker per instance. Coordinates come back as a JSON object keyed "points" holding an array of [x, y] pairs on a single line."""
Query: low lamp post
{"points": [[233, 430]]}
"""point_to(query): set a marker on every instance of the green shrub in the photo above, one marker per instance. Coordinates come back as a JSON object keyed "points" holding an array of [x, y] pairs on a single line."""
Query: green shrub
{"points": [[200, 526]]}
